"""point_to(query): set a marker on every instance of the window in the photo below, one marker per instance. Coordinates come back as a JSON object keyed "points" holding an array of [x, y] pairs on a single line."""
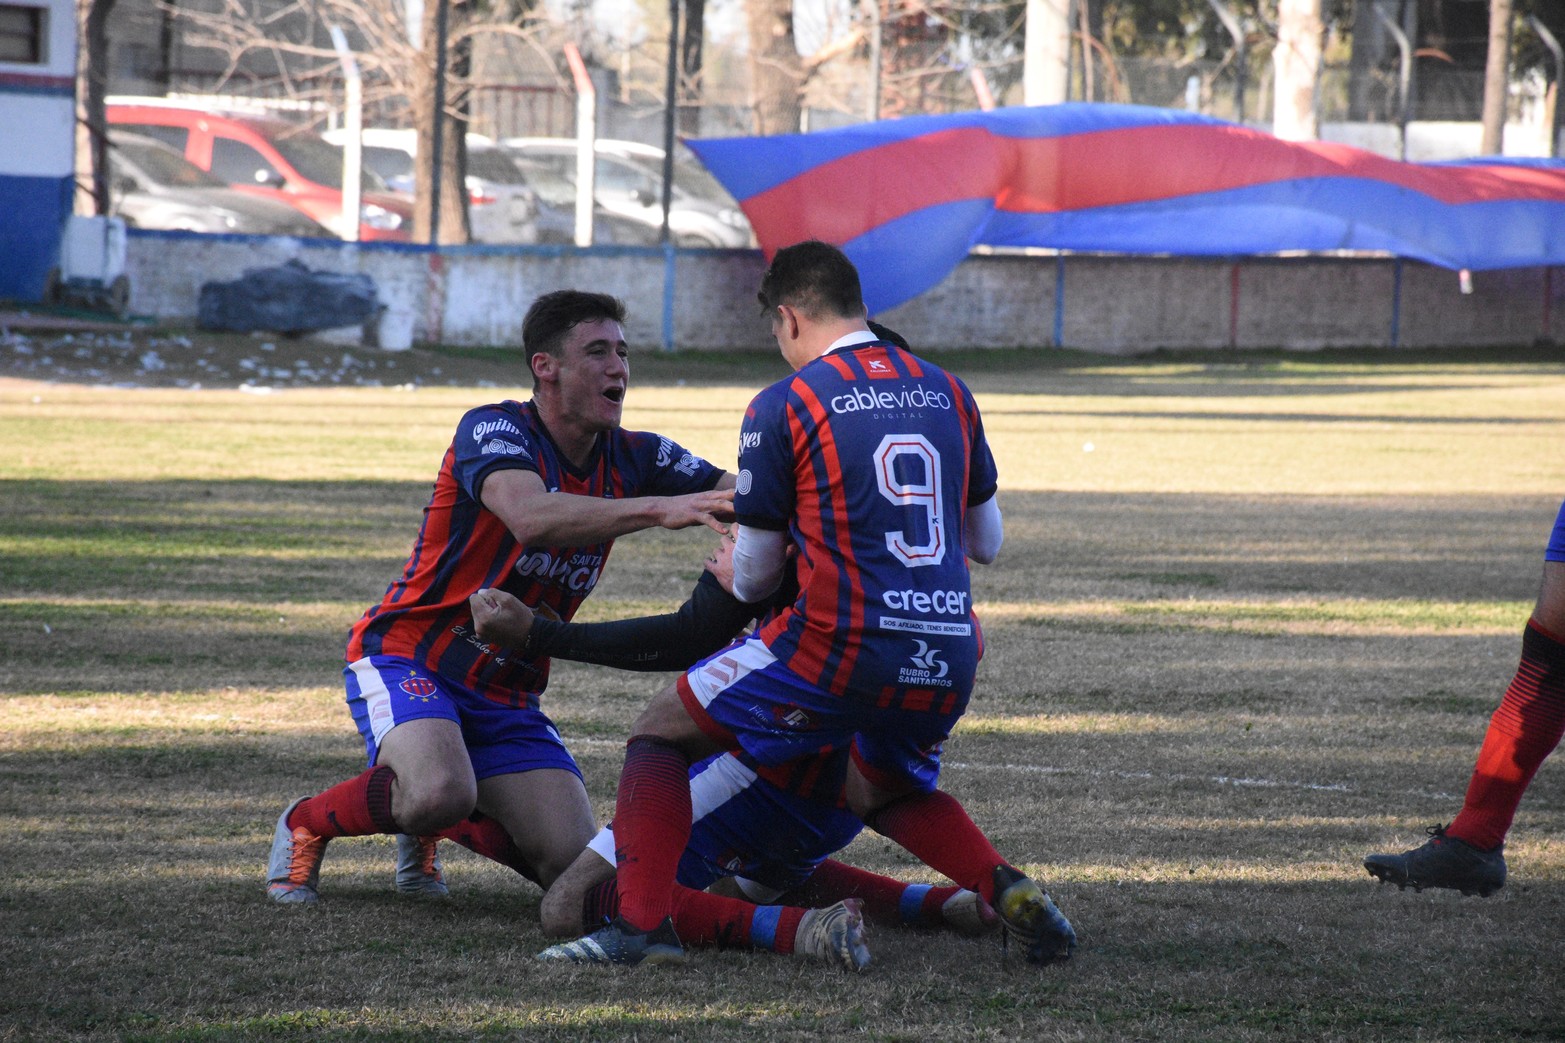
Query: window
{"points": [[626, 179], [239, 164], [22, 34], [173, 137]]}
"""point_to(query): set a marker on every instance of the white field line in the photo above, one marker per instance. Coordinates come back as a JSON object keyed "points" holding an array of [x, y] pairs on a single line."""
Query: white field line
{"points": [[1132, 776]]}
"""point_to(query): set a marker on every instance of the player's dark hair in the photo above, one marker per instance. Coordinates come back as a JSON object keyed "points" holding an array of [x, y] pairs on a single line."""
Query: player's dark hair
{"points": [[555, 314], [814, 277]]}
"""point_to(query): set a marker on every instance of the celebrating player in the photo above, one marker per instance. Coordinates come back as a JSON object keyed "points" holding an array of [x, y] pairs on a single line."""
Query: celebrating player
{"points": [[1469, 854], [764, 833], [529, 499], [873, 464]]}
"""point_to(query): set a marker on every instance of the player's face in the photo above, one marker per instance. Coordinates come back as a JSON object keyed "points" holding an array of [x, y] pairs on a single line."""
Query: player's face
{"points": [[593, 373]]}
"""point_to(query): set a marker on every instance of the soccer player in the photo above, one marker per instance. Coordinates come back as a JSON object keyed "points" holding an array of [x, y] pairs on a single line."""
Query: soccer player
{"points": [[529, 499], [762, 836], [872, 463], [1469, 854]]}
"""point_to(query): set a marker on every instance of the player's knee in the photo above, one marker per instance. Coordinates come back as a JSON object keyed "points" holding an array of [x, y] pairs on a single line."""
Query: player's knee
{"points": [[666, 718], [551, 864], [432, 805], [560, 912]]}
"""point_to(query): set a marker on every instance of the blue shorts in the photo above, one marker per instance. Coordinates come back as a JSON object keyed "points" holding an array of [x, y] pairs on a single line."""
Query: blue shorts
{"points": [[743, 698], [385, 691], [744, 826], [1556, 548]]}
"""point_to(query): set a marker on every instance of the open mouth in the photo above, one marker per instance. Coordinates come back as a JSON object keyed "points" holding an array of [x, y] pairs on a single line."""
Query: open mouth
{"points": [[615, 394]]}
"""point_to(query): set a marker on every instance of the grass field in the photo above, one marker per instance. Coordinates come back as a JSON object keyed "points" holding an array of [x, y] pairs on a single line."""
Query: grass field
{"points": [[1248, 625]]}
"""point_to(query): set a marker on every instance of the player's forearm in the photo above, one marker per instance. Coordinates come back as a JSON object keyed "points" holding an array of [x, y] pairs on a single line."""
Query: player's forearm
{"points": [[760, 557], [566, 519], [985, 531], [707, 621]]}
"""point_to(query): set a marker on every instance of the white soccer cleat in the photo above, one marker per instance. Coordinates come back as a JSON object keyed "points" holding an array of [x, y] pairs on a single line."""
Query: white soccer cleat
{"points": [[968, 914], [418, 867], [293, 872], [834, 934]]}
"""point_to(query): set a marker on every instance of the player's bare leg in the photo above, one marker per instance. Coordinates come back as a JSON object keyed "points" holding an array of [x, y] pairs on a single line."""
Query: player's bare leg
{"points": [[547, 814], [422, 781]]}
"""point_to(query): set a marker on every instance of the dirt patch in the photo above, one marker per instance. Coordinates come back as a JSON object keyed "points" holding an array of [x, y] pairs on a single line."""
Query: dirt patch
{"points": [[68, 349]]}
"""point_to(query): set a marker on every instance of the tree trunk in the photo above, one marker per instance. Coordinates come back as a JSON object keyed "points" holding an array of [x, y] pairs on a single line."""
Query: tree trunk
{"points": [[1496, 77], [776, 70], [92, 136], [454, 228], [1300, 35]]}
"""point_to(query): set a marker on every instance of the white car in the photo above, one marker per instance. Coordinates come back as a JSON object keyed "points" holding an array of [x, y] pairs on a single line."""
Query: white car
{"points": [[629, 183], [501, 206]]}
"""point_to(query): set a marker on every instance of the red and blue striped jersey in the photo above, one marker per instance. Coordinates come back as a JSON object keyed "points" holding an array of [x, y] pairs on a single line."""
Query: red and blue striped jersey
{"points": [[462, 546], [870, 457]]}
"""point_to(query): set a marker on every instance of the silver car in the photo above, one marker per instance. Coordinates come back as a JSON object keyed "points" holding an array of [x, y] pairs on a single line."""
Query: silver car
{"points": [[153, 186], [501, 206], [629, 183]]}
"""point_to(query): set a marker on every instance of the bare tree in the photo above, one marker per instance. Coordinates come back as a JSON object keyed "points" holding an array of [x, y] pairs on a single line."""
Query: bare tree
{"points": [[1496, 77], [930, 51], [776, 68], [396, 73], [452, 160]]}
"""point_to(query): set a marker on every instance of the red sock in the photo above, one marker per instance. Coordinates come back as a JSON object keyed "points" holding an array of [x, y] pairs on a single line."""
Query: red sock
{"points": [[356, 808], [703, 919], [600, 905], [886, 900], [487, 837], [935, 827], [651, 828], [1523, 731]]}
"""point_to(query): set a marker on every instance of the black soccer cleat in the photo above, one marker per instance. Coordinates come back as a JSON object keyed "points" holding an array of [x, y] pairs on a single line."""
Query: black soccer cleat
{"points": [[1443, 861]]}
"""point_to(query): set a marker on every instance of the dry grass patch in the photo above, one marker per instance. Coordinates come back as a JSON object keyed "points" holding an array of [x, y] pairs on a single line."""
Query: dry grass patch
{"points": [[1253, 635]]}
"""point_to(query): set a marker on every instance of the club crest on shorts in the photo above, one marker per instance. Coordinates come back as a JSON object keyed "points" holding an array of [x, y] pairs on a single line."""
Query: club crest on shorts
{"points": [[419, 688]]}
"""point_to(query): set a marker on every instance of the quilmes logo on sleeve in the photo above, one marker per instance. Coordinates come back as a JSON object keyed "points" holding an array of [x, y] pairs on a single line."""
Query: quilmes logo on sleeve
{"points": [[688, 463], [488, 427]]}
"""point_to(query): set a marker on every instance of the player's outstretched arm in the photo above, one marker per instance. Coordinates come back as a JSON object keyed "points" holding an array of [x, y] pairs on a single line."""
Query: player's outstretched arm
{"points": [[709, 619], [539, 518]]}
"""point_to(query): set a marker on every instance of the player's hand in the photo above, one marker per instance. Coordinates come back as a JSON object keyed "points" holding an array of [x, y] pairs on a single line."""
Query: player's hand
{"points": [[713, 508], [500, 618], [720, 563]]}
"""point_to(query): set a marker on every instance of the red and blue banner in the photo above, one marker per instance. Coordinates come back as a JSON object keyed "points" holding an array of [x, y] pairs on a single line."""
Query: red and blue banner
{"points": [[907, 199]]}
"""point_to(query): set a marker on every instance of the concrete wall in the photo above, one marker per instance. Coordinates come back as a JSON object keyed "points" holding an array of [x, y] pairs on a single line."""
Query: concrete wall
{"points": [[704, 300]]}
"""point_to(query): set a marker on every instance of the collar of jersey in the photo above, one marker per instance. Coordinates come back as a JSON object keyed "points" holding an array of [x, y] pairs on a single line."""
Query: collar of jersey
{"points": [[851, 340]]}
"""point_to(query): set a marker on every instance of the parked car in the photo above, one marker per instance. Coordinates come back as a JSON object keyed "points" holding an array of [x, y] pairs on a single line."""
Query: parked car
{"points": [[152, 186], [268, 157], [501, 206], [628, 180], [557, 211]]}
